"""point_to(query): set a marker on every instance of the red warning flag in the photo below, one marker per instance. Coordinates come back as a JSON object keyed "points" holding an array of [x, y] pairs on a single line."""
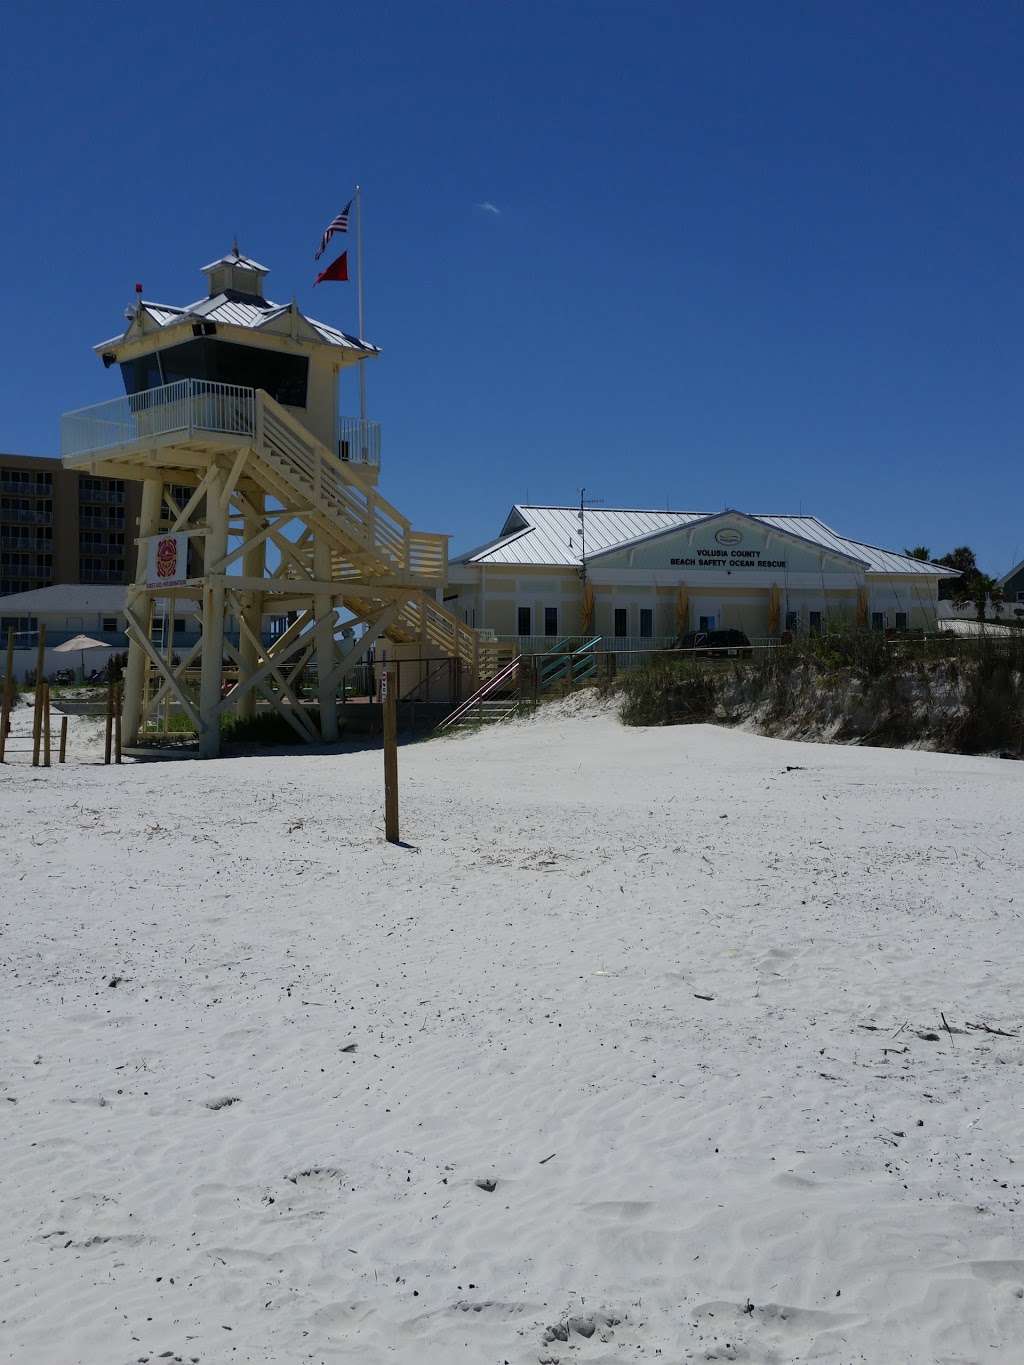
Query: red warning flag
{"points": [[337, 270]]}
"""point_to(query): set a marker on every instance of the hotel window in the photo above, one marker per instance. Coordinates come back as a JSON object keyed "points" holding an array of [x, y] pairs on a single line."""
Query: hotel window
{"points": [[901, 620], [621, 622], [814, 622], [878, 620], [523, 621], [646, 622], [550, 620]]}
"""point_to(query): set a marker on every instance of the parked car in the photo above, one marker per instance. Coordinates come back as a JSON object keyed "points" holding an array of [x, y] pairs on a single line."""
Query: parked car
{"points": [[716, 644]]}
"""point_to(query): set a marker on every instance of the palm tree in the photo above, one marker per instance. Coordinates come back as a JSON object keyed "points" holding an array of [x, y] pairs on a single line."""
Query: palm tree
{"points": [[919, 552], [980, 589]]}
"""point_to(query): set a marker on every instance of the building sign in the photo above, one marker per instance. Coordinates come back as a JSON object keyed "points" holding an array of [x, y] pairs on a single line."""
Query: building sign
{"points": [[714, 557], [168, 560], [728, 535]]}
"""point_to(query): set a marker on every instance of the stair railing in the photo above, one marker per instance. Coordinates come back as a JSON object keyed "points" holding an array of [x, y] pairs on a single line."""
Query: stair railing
{"points": [[490, 688]]}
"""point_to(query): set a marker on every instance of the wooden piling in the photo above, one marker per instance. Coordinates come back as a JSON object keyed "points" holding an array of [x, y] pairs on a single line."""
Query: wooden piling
{"points": [[108, 737], [389, 706], [7, 704], [46, 725], [63, 739], [37, 712], [117, 723]]}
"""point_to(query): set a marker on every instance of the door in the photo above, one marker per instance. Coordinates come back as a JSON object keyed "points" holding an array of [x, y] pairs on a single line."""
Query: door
{"points": [[523, 625], [550, 620], [621, 623]]}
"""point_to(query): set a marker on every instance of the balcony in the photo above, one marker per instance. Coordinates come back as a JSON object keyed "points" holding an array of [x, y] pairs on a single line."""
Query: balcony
{"points": [[359, 441], [12, 540], [101, 523], [186, 407], [24, 488], [90, 495], [22, 517]]}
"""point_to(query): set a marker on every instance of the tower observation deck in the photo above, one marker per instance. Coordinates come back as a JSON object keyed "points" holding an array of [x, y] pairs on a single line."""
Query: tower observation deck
{"points": [[259, 500]]}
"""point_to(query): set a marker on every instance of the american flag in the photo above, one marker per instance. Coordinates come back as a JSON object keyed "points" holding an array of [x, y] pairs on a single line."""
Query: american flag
{"points": [[338, 224]]}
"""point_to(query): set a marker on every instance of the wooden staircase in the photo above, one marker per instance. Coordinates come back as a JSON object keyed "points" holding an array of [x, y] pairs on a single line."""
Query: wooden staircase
{"points": [[372, 543]]}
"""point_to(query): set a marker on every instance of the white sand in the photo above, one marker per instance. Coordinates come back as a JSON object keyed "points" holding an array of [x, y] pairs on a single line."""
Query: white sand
{"points": [[755, 1177]]}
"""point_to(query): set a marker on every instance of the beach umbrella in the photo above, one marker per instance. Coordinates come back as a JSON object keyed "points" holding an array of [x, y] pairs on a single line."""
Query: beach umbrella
{"points": [[79, 644]]}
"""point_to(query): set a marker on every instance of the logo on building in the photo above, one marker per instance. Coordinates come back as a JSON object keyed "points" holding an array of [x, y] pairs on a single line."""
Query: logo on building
{"points": [[728, 535]]}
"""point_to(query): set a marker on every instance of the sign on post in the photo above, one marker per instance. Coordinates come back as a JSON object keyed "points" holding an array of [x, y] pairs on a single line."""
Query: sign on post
{"points": [[168, 560]]}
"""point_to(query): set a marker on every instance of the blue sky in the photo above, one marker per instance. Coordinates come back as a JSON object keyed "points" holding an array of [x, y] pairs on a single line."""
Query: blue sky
{"points": [[766, 256]]}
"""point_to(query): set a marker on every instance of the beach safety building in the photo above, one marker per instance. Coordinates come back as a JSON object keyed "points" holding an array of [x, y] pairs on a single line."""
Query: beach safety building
{"points": [[627, 573]]}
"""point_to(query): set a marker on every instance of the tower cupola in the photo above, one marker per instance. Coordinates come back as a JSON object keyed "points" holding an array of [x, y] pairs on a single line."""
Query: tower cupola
{"points": [[235, 274]]}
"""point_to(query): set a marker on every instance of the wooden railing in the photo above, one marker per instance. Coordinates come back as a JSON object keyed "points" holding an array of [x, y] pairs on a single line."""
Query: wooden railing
{"points": [[373, 530]]}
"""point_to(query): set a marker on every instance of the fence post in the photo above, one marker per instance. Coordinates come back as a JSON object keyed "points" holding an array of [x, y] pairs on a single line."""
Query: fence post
{"points": [[63, 739], [46, 725], [37, 713], [108, 735], [8, 697], [389, 705], [117, 723]]}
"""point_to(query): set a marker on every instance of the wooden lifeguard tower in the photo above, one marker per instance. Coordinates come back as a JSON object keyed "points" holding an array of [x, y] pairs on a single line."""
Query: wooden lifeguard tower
{"points": [[259, 502]]}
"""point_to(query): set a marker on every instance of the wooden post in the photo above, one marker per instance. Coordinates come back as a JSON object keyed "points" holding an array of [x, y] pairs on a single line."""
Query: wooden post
{"points": [[110, 719], [46, 725], [389, 705], [63, 739], [215, 547], [8, 697], [117, 723], [137, 601], [37, 714]]}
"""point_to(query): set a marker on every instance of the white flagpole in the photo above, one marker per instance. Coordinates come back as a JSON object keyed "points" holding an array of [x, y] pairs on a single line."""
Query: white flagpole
{"points": [[359, 297]]}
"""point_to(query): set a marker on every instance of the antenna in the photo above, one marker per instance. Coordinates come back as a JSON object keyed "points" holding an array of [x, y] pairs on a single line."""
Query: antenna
{"points": [[585, 502]]}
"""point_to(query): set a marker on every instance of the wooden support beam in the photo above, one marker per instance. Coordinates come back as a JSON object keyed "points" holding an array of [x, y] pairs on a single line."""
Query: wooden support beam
{"points": [[212, 670], [356, 655], [135, 600], [326, 649], [269, 666], [137, 633], [165, 689], [181, 520], [294, 713], [234, 475]]}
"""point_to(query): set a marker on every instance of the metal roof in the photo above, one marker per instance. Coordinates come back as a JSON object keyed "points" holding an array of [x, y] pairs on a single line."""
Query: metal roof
{"points": [[67, 598], [551, 536], [234, 258], [234, 308], [241, 311]]}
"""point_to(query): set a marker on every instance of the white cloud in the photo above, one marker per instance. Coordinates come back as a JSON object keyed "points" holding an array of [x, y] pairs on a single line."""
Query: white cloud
{"points": [[488, 207]]}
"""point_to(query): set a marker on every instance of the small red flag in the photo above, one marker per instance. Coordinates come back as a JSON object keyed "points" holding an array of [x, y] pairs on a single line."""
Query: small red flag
{"points": [[337, 270]]}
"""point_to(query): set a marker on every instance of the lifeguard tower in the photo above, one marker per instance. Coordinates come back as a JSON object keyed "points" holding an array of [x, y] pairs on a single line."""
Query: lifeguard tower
{"points": [[259, 501]]}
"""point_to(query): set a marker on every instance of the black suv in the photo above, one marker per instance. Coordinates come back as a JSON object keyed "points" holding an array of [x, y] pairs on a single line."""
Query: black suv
{"points": [[716, 644]]}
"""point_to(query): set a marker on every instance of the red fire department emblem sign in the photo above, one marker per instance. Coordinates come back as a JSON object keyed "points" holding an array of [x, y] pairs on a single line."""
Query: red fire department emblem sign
{"points": [[167, 557]]}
